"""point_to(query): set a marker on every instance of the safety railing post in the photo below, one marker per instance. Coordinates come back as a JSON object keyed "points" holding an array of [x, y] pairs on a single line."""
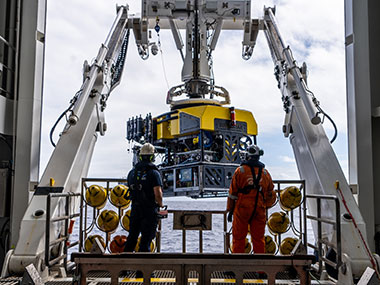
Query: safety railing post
{"points": [[64, 238], [226, 234], [339, 235], [304, 214], [319, 235], [337, 225], [183, 241], [47, 230], [200, 241], [81, 218], [67, 213]]}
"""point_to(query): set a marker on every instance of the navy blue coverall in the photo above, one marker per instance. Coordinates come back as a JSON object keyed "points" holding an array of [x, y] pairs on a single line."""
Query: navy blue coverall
{"points": [[141, 180]]}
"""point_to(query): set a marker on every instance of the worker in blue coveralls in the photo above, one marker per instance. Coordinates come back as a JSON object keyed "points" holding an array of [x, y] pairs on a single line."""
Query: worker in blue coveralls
{"points": [[145, 183]]}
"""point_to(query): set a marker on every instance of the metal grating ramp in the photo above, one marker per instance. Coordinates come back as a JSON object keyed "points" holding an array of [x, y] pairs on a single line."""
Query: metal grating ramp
{"points": [[162, 277], [10, 281], [59, 282], [167, 277], [193, 269]]}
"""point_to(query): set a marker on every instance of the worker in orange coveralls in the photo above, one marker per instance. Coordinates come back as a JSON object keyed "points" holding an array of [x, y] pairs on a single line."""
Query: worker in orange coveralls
{"points": [[248, 199]]}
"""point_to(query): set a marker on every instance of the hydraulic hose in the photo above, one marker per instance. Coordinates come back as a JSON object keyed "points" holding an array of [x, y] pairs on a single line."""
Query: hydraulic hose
{"points": [[332, 122], [72, 102]]}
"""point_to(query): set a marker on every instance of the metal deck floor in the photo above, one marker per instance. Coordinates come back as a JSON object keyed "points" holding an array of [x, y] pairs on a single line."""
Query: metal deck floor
{"points": [[164, 277]]}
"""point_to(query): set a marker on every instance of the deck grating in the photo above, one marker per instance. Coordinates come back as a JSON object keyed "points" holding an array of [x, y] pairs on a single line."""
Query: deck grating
{"points": [[10, 281], [168, 274]]}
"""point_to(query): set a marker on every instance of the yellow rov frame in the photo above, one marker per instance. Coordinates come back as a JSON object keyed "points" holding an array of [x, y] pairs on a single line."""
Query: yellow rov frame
{"points": [[192, 119], [200, 143]]}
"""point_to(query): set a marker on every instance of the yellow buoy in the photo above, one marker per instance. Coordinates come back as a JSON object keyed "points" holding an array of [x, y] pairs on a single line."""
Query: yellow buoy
{"points": [[126, 220], [247, 248], [271, 199], [270, 245], [278, 223], [152, 245], [287, 245], [96, 196], [90, 240], [117, 244], [120, 196], [108, 221], [290, 198]]}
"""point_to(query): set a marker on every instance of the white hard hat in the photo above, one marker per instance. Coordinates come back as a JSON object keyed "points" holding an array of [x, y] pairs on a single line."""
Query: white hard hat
{"points": [[147, 149], [254, 150]]}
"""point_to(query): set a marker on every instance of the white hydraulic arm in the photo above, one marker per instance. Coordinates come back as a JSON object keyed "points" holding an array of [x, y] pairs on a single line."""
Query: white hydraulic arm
{"points": [[72, 154], [316, 161]]}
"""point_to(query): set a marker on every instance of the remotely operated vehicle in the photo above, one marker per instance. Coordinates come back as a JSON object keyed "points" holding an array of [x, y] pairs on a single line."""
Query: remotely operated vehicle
{"points": [[201, 140]]}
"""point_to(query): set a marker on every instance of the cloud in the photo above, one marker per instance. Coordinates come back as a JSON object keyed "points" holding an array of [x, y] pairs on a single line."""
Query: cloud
{"points": [[76, 29], [287, 159]]}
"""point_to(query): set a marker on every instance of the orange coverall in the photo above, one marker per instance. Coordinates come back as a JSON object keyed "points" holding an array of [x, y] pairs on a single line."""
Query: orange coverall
{"points": [[244, 205]]}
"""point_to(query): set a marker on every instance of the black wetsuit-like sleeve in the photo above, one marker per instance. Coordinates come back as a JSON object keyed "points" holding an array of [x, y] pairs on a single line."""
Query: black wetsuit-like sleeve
{"points": [[156, 178], [130, 178]]}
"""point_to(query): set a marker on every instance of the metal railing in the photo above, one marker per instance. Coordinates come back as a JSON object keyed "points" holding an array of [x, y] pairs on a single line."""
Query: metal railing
{"points": [[65, 218], [320, 242], [212, 212], [297, 226]]}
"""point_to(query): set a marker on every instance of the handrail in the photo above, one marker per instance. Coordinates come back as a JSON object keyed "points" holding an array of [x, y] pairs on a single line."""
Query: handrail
{"points": [[301, 233], [49, 221], [213, 212], [336, 223]]}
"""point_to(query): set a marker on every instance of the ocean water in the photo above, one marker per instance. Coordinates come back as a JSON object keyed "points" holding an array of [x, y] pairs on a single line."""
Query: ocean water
{"points": [[213, 241]]}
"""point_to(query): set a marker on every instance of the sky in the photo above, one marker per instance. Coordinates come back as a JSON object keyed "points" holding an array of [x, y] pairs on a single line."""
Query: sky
{"points": [[313, 29]]}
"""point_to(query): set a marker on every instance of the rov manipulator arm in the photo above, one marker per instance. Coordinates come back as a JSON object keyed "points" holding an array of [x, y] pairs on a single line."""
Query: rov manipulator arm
{"points": [[316, 161], [72, 154]]}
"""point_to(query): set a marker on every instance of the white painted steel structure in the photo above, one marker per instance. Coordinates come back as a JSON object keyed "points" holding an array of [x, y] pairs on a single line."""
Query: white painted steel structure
{"points": [[22, 46], [363, 109]]}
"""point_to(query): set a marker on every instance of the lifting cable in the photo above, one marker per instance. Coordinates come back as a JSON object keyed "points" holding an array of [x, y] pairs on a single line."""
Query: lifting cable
{"points": [[373, 262], [157, 29]]}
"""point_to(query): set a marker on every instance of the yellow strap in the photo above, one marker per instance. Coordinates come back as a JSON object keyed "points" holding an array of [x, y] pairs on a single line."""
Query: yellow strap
{"points": [[193, 280]]}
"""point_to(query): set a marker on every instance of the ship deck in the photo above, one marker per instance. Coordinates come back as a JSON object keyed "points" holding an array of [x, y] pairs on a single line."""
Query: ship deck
{"points": [[215, 269], [190, 269]]}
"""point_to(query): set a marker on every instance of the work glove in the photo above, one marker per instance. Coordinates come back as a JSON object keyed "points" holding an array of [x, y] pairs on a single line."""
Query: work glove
{"points": [[162, 212], [229, 216]]}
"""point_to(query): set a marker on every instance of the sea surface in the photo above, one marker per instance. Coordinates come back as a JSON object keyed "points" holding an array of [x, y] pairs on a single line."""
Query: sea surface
{"points": [[213, 241]]}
